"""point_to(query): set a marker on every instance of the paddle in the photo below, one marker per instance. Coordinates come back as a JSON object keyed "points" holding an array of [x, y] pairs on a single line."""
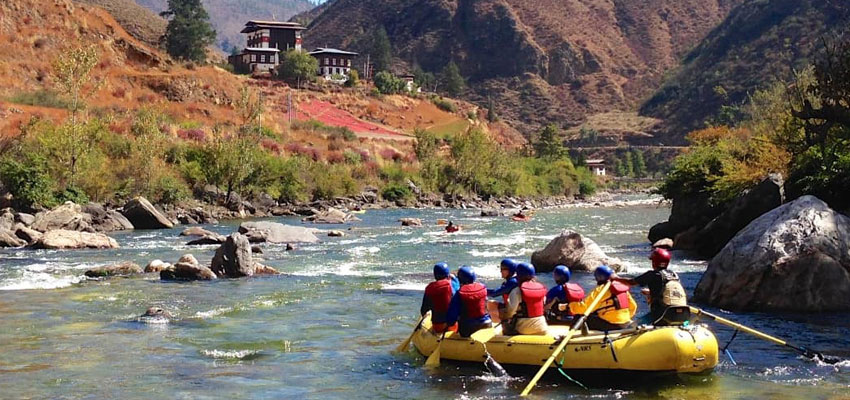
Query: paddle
{"points": [[433, 360], [483, 336], [403, 347], [802, 350], [576, 326]]}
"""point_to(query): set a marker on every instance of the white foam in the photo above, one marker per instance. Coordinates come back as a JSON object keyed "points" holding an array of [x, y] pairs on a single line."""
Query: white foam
{"points": [[213, 313], [229, 354], [411, 286], [40, 280], [362, 250], [492, 253]]}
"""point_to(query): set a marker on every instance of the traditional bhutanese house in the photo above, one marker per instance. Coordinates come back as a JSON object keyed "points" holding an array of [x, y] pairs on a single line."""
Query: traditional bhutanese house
{"points": [[409, 82], [265, 41], [597, 166], [333, 61]]}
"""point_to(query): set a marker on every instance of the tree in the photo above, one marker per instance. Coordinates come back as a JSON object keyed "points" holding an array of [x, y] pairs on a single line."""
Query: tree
{"points": [[548, 144], [72, 72], [387, 83], [298, 66], [381, 50], [452, 80], [189, 32], [638, 164], [353, 78], [628, 165], [491, 110], [149, 145], [424, 79]]}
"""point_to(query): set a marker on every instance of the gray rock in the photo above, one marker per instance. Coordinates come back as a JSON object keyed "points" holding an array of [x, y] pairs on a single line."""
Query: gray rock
{"points": [[65, 239], [212, 238], [103, 220], [665, 243], [331, 216], [273, 232], [143, 215], [157, 266], [24, 218], [793, 258], [233, 258], [256, 249], [490, 212], [575, 251], [68, 216], [336, 233], [27, 234], [123, 269], [8, 239], [187, 269], [7, 220], [196, 231], [410, 222], [260, 269]]}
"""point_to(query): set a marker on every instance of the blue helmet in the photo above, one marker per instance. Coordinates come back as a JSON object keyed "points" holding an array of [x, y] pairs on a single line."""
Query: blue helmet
{"points": [[465, 275], [510, 265], [525, 270], [441, 270], [562, 274], [603, 273]]}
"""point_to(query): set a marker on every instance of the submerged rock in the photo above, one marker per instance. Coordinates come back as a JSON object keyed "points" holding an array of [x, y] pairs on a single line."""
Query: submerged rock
{"points": [[793, 258], [196, 231], [336, 233], [213, 238], [143, 215], [155, 315], [156, 266], [410, 221], [187, 269], [123, 269], [575, 251], [65, 239]]}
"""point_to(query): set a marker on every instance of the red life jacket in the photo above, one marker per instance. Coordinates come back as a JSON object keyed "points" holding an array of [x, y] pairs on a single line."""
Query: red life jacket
{"points": [[533, 294], [574, 292], [620, 295], [473, 296], [440, 294]]}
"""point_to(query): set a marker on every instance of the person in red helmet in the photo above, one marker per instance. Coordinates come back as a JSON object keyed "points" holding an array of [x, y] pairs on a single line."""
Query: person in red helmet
{"points": [[665, 290]]}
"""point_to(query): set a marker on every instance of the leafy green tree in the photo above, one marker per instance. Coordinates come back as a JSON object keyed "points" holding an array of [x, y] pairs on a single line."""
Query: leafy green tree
{"points": [[149, 147], [353, 78], [28, 182], [548, 144], [381, 50], [638, 164], [628, 165], [452, 80], [424, 79], [387, 83], [189, 32], [298, 66]]}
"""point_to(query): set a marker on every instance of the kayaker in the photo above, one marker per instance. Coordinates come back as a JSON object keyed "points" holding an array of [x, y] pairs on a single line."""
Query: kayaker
{"points": [[562, 293], [616, 309], [438, 295], [665, 289], [508, 270], [468, 306], [524, 310]]}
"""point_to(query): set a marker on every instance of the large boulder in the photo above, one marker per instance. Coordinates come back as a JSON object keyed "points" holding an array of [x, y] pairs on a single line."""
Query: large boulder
{"points": [[65, 239], [687, 211], [24, 218], [410, 221], [762, 198], [68, 216], [793, 258], [157, 266], [273, 232], [9, 239], [187, 269], [143, 215], [7, 220], [103, 220], [212, 238], [122, 269], [27, 234], [196, 231], [331, 216], [233, 258], [575, 251]]}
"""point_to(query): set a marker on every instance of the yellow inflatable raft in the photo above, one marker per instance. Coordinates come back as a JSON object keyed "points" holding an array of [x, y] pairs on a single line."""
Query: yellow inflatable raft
{"points": [[691, 349]]}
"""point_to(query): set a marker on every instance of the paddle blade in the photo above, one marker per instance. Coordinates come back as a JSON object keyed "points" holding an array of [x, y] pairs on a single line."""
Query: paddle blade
{"points": [[494, 367], [483, 335], [402, 348], [433, 360]]}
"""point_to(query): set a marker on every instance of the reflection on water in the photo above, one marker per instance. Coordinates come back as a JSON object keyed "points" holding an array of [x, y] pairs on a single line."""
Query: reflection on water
{"points": [[326, 329]]}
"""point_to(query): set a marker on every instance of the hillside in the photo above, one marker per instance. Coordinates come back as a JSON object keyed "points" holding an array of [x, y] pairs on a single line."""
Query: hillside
{"points": [[138, 21], [228, 17], [542, 61], [759, 42]]}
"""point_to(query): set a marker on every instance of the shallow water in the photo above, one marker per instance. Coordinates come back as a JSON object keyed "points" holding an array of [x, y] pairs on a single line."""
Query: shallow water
{"points": [[326, 329]]}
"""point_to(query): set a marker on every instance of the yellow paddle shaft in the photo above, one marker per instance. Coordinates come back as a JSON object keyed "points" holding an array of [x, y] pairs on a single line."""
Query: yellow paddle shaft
{"points": [[739, 327], [566, 340], [403, 346]]}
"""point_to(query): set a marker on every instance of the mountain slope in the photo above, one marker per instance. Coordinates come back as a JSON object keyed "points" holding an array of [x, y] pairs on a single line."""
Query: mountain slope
{"points": [[542, 61], [759, 42], [228, 17], [138, 21]]}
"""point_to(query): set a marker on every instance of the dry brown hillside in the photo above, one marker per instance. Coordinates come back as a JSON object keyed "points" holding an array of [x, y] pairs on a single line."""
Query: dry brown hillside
{"points": [[138, 21], [543, 60]]}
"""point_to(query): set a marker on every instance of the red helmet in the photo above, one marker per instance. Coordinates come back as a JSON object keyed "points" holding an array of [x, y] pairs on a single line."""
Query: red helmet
{"points": [[660, 257]]}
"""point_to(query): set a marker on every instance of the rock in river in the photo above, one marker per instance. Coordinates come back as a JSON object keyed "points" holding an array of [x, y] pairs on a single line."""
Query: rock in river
{"points": [[68, 216], [575, 251], [157, 266], [410, 222], [8, 239], [273, 232], [143, 215], [122, 269], [793, 258], [187, 269], [65, 239], [233, 258], [331, 216]]}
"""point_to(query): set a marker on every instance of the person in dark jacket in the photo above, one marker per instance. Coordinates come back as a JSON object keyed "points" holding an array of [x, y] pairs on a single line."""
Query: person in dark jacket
{"points": [[564, 292]]}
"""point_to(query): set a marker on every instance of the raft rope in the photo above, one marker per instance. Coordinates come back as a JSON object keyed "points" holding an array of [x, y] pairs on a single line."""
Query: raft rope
{"points": [[560, 366], [610, 344], [726, 348]]}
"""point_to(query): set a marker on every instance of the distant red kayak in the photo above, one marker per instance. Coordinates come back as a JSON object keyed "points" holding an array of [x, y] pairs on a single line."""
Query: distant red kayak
{"points": [[521, 219], [452, 229]]}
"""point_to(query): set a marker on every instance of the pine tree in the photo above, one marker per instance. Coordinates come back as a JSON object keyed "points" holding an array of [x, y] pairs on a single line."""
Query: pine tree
{"points": [[452, 79], [491, 110], [639, 165], [628, 165], [382, 50], [548, 144], [188, 32]]}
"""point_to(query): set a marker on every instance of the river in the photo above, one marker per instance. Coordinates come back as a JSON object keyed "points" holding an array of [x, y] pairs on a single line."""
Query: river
{"points": [[326, 328]]}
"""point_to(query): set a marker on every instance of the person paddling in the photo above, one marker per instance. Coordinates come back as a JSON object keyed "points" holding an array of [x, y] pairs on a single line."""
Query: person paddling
{"points": [[524, 311], [468, 306], [562, 293], [616, 309], [665, 290], [438, 295], [508, 270], [451, 227]]}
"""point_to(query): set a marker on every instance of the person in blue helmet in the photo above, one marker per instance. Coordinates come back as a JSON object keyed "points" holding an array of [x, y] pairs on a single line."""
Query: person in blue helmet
{"points": [[438, 295], [508, 269], [469, 305], [524, 311], [563, 292]]}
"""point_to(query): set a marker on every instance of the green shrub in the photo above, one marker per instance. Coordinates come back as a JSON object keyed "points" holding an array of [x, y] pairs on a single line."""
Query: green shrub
{"points": [[387, 83], [28, 182], [444, 104], [41, 98], [396, 191], [73, 194], [167, 189]]}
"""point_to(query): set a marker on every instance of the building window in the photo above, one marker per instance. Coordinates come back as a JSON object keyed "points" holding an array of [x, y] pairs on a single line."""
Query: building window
{"points": [[253, 58], [263, 58], [349, 63], [271, 58], [327, 62], [333, 61]]}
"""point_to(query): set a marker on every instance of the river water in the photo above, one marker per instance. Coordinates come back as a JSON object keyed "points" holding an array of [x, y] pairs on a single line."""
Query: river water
{"points": [[326, 328]]}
